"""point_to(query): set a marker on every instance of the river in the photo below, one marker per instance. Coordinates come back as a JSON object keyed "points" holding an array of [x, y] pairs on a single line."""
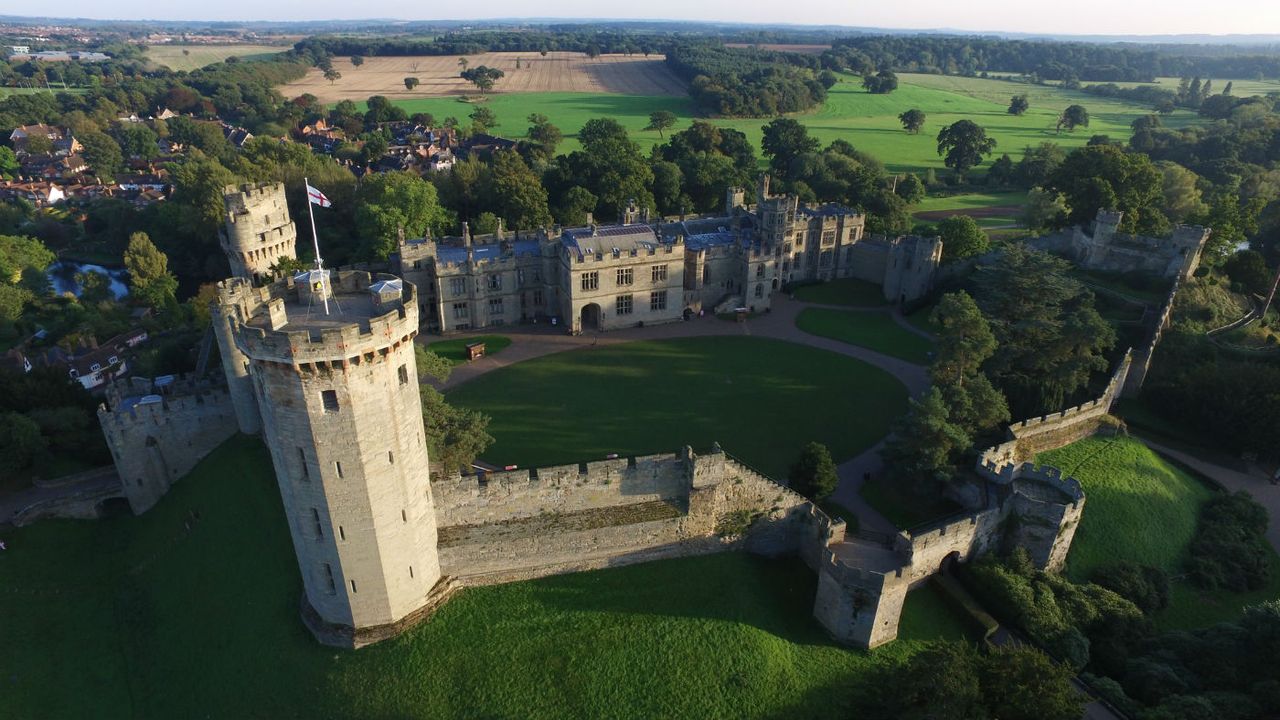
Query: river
{"points": [[62, 276]]}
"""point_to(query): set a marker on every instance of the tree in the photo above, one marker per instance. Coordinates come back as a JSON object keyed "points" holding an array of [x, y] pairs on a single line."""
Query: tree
{"points": [[483, 119], [1181, 191], [9, 165], [463, 63], [1018, 105], [482, 76], [918, 455], [430, 365], [357, 61], [149, 277], [23, 259], [1107, 177], [962, 238], [785, 140], [1249, 269], [882, 83], [910, 189], [410, 83], [387, 203], [1074, 116], [912, 120], [455, 436], [965, 343], [546, 135], [516, 193], [20, 442], [332, 75], [964, 144], [814, 473], [661, 121], [1051, 337], [1043, 209], [1022, 683], [102, 153]]}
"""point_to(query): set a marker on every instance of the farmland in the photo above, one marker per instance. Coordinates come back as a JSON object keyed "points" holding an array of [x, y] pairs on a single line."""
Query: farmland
{"points": [[194, 57], [868, 121], [438, 76]]}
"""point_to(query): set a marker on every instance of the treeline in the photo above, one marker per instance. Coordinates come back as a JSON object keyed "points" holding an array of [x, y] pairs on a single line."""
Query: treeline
{"points": [[950, 55], [592, 42], [736, 82]]}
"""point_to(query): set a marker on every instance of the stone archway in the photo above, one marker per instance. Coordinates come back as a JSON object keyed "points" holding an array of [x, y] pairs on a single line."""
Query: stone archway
{"points": [[949, 562], [591, 318]]}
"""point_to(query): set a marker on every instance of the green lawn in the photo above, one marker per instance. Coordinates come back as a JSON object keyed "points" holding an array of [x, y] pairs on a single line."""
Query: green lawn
{"points": [[970, 201], [142, 617], [455, 350], [868, 121], [1142, 508], [872, 330], [846, 291], [761, 399]]}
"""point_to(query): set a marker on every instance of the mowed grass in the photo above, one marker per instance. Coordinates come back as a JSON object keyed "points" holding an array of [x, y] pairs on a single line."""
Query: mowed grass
{"points": [[762, 400], [1141, 508], [198, 56], [869, 122], [143, 617], [845, 291], [455, 350], [872, 330]]}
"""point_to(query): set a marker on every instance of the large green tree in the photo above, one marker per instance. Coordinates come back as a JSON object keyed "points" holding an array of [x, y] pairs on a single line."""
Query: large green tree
{"points": [[1052, 339], [610, 166], [785, 140], [661, 121], [963, 144], [516, 192], [1106, 177], [912, 120], [962, 238], [149, 276], [919, 455], [387, 203], [814, 473]]}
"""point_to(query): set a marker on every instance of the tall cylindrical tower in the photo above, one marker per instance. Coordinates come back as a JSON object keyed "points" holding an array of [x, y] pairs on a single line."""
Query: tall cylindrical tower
{"points": [[234, 294], [342, 417], [258, 230]]}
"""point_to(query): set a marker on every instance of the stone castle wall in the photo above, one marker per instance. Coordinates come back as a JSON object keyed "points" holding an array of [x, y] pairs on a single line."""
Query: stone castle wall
{"points": [[156, 439]]}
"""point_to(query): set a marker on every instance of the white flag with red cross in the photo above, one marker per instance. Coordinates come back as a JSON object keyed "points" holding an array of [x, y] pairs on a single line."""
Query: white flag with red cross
{"points": [[317, 198]]}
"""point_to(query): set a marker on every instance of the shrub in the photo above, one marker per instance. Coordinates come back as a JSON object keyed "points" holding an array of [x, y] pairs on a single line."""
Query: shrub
{"points": [[1143, 585], [1230, 549]]}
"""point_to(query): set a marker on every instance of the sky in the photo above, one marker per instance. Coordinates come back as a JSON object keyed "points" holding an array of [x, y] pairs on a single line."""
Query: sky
{"points": [[1111, 17]]}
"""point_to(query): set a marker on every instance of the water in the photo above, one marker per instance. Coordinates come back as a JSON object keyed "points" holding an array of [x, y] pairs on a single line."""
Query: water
{"points": [[62, 276]]}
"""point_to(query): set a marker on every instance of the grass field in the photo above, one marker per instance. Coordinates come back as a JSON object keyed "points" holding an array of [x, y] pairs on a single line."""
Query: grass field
{"points": [[903, 509], [439, 75], [142, 617], [198, 56], [762, 400], [1142, 508], [846, 291], [455, 351], [868, 121], [872, 330]]}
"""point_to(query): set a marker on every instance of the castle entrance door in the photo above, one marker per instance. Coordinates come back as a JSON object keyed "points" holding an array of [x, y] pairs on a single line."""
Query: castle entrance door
{"points": [[591, 318]]}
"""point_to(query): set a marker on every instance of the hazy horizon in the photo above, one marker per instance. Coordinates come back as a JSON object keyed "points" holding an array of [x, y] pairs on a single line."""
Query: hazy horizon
{"points": [[1086, 17]]}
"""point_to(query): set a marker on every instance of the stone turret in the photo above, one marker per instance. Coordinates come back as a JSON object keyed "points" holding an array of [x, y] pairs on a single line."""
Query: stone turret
{"points": [[342, 417], [258, 231]]}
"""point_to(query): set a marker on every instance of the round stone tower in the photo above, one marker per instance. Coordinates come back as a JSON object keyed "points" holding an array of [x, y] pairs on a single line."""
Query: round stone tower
{"points": [[341, 414], [258, 230]]}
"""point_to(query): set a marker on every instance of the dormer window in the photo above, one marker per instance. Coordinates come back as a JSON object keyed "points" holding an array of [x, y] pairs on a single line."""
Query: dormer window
{"points": [[95, 367], [113, 360]]}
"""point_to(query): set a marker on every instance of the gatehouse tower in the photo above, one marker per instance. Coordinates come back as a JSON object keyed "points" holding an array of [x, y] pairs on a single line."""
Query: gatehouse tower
{"points": [[341, 414]]}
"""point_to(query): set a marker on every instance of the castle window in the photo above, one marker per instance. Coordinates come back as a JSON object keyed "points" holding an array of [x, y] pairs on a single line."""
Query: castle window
{"points": [[537, 297], [410, 571], [353, 587], [495, 306], [391, 458], [329, 398], [624, 305], [828, 238], [658, 300], [342, 534], [302, 462], [457, 286], [328, 576], [659, 273], [760, 270], [461, 311], [786, 265], [495, 281], [799, 239], [315, 520], [591, 281], [403, 372], [404, 516], [625, 276], [759, 291], [337, 465], [706, 273]]}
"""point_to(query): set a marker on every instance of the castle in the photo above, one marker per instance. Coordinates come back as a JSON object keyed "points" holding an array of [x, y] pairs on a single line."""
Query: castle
{"points": [[644, 272], [321, 366], [1103, 247]]}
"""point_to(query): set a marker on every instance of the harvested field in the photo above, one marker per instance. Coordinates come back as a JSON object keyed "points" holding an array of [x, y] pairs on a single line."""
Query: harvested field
{"points": [[194, 57], [438, 76], [802, 49]]}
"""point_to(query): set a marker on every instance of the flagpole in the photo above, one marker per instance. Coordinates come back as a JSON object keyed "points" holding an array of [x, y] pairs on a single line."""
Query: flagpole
{"points": [[315, 240]]}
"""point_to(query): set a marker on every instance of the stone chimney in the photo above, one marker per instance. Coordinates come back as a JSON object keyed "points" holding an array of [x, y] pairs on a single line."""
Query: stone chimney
{"points": [[466, 234], [591, 219], [498, 231]]}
